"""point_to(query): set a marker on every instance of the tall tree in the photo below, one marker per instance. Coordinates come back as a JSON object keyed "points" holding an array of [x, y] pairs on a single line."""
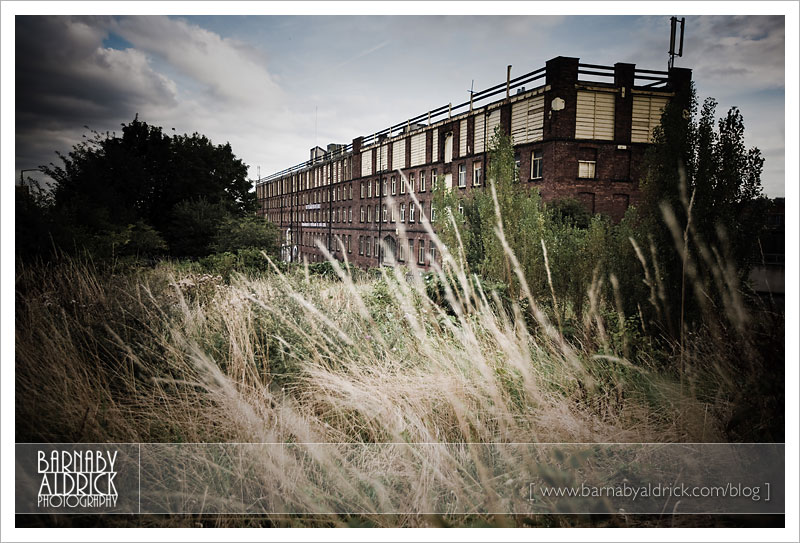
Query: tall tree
{"points": [[109, 182], [700, 172]]}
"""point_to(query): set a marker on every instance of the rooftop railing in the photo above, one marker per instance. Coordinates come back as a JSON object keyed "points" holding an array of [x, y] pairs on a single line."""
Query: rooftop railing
{"points": [[654, 79]]}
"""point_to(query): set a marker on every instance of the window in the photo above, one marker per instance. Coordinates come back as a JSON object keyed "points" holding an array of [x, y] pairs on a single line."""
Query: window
{"points": [[369, 246], [460, 208], [350, 215], [516, 166], [394, 185], [401, 251], [377, 213], [433, 213], [536, 164], [587, 160], [361, 245], [377, 188], [448, 147], [411, 209], [362, 213], [462, 176], [369, 189], [375, 247], [369, 213], [349, 239], [402, 212], [421, 252], [433, 179], [411, 248], [476, 174], [384, 187], [385, 214], [351, 191], [392, 213], [432, 255], [586, 169], [422, 181], [411, 182], [402, 186]]}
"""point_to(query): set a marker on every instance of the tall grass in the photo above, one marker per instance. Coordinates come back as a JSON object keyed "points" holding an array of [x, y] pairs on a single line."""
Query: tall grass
{"points": [[167, 355]]}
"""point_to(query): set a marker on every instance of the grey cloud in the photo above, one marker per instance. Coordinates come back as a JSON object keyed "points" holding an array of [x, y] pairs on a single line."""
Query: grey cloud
{"points": [[65, 79]]}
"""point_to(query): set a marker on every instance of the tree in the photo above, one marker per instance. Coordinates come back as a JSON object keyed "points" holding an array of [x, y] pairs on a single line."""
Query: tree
{"points": [[146, 178], [700, 172]]}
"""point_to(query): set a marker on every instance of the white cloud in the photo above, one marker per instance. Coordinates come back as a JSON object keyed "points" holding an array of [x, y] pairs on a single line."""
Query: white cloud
{"points": [[230, 69]]}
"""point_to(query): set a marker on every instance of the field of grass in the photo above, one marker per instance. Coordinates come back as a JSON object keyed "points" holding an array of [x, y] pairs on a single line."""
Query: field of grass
{"points": [[169, 354]]}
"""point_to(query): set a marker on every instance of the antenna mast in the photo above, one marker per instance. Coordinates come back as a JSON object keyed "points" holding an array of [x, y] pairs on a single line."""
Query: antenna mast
{"points": [[672, 38]]}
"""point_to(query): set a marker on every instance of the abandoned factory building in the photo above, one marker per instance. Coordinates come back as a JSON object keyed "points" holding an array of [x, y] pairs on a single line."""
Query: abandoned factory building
{"points": [[579, 130]]}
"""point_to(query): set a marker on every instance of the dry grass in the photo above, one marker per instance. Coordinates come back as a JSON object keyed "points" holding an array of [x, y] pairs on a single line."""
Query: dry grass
{"points": [[166, 356]]}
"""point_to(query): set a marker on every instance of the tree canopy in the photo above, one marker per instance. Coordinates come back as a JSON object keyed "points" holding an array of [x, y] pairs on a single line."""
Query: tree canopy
{"points": [[133, 192]]}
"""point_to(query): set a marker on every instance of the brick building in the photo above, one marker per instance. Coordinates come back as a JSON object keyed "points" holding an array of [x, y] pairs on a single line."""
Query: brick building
{"points": [[579, 130]]}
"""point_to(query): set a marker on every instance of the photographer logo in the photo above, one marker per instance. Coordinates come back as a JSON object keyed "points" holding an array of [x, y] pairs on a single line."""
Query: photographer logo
{"points": [[77, 479]]}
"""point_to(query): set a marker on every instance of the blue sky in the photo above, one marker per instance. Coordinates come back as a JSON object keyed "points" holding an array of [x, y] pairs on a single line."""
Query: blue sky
{"points": [[268, 84]]}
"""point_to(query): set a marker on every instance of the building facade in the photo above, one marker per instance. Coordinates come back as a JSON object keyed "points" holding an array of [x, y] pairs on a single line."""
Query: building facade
{"points": [[579, 130]]}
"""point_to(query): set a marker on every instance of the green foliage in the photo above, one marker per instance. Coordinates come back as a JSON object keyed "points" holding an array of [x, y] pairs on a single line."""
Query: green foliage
{"points": [[699, 167], [195, 223], [249, 261], [139, 239], [135, 191], [249, 232], [569, 211]]}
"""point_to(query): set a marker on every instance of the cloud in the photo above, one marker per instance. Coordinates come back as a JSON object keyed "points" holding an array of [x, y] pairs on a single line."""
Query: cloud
{"points": [[230, 69], [748, 47], [173, 74], [63, 73], [65, 79]]}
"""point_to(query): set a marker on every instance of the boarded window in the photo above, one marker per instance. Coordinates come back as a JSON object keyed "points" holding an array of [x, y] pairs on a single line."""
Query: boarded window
{"points": [[366, 163], [622, 165], [418, 149], [587, 200], [480, 131], [646, 116], [595, 116], [399, 154], [383, 157], [527, 120], [492, 122], [462, 138], [619, 205]]}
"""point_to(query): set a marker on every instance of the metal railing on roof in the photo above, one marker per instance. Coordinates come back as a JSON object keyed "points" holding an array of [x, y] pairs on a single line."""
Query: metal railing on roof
{"points": [[655, 77]]}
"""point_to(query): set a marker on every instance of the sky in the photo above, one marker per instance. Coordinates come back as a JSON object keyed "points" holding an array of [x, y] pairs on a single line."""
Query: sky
{"points": [[275, 86]]}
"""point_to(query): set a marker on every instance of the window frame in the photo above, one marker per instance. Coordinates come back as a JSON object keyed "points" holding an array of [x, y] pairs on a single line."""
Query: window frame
{"points": [[537, 163], [592, 164]]}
